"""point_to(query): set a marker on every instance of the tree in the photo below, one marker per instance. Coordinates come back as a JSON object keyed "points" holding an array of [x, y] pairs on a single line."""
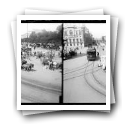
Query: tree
{"points": [[45, 37], [88, 37], [59, 28], [104, 39], [33, 37]]}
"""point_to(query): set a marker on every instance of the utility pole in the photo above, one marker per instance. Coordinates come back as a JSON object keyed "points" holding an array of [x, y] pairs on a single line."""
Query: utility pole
{"points": [[27, 33]]}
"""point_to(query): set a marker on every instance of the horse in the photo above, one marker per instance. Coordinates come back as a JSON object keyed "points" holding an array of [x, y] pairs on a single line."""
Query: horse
{"points": [[46, 62], [30, 66], [49, 64], [59, 65], [54, 65], [27, 67], [38, 54], [23, 62]]}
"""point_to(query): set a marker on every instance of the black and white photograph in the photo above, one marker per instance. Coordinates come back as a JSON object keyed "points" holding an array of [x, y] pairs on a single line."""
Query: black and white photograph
{"points": [[63, 62], [41, 62], [85, 62]]}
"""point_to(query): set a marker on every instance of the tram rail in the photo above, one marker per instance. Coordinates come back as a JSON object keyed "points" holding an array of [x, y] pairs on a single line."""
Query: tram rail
{"points": [[91, 86], [97, 80]]}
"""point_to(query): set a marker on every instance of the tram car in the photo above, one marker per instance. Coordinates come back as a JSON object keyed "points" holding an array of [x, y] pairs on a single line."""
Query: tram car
{"points": [[91, 54]]}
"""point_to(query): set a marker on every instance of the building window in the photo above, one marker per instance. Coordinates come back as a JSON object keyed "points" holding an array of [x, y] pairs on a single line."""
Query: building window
{"points": [[71, 32], [76, 33], [80, 40], [74, 41], [79, 32], [70, 41], [65, 33], [77, 41]]}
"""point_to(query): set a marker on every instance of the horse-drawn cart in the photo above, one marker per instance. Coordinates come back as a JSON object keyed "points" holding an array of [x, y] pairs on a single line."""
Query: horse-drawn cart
{"points": [[27, 67]]}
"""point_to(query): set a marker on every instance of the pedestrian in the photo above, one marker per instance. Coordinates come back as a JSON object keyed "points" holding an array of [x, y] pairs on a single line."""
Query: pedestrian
{"points": [[51, 64], [34, 47]]}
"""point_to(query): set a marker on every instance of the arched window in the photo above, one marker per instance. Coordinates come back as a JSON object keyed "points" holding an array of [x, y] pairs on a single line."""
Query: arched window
{"points": [[76, 33], [65, 33], [70, 42], [77, 41], [80, 40], [71, 32], [79, 32], [74, 41]]}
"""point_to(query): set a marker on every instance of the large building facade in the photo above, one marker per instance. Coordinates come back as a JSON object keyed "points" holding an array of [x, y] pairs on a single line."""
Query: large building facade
{"points": [[73, 36]]}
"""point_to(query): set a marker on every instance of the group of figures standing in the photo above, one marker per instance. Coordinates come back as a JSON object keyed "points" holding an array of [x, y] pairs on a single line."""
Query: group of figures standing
{"points": [[46, 57]]}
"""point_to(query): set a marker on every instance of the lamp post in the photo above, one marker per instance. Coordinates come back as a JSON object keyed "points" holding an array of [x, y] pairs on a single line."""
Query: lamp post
{"points": [[27, 34], [64, 42]]}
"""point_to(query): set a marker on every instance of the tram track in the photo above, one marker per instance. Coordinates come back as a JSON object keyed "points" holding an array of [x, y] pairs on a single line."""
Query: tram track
{"points": [[76, 72], [79, 74], [32, 99], [102, 92], [75, 69], [40, 87], [90, 71], [97, 80]]}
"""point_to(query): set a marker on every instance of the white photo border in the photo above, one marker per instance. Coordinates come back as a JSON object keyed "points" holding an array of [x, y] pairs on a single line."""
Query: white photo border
{"points": [[63, 107]]}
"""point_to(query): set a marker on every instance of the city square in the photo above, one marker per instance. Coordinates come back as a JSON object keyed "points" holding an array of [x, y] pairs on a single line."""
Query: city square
{"points": [[41, 65], [84, 65]]}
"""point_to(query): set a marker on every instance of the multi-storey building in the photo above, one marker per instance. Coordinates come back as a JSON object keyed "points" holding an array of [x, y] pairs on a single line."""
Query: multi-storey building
{"points": [[73, 36]]}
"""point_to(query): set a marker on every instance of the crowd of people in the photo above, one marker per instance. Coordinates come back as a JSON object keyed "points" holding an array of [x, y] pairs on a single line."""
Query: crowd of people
{"points": [[69, 53], [46, 57]]}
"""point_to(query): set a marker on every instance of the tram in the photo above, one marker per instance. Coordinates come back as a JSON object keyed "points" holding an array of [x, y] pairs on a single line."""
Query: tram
{"points": [[91, 54]]}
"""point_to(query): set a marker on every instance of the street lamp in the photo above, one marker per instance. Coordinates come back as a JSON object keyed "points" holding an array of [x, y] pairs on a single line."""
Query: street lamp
{"points": [[27, 34]]}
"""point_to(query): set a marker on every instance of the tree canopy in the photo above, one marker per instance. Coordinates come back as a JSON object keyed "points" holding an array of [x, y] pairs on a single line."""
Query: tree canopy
{"points": [[55, 37], [45, 37], [88, 37]]}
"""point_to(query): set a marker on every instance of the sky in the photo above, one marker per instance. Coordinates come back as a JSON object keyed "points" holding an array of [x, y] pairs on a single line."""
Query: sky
{"points": [[38, 26], [96, 29]]}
